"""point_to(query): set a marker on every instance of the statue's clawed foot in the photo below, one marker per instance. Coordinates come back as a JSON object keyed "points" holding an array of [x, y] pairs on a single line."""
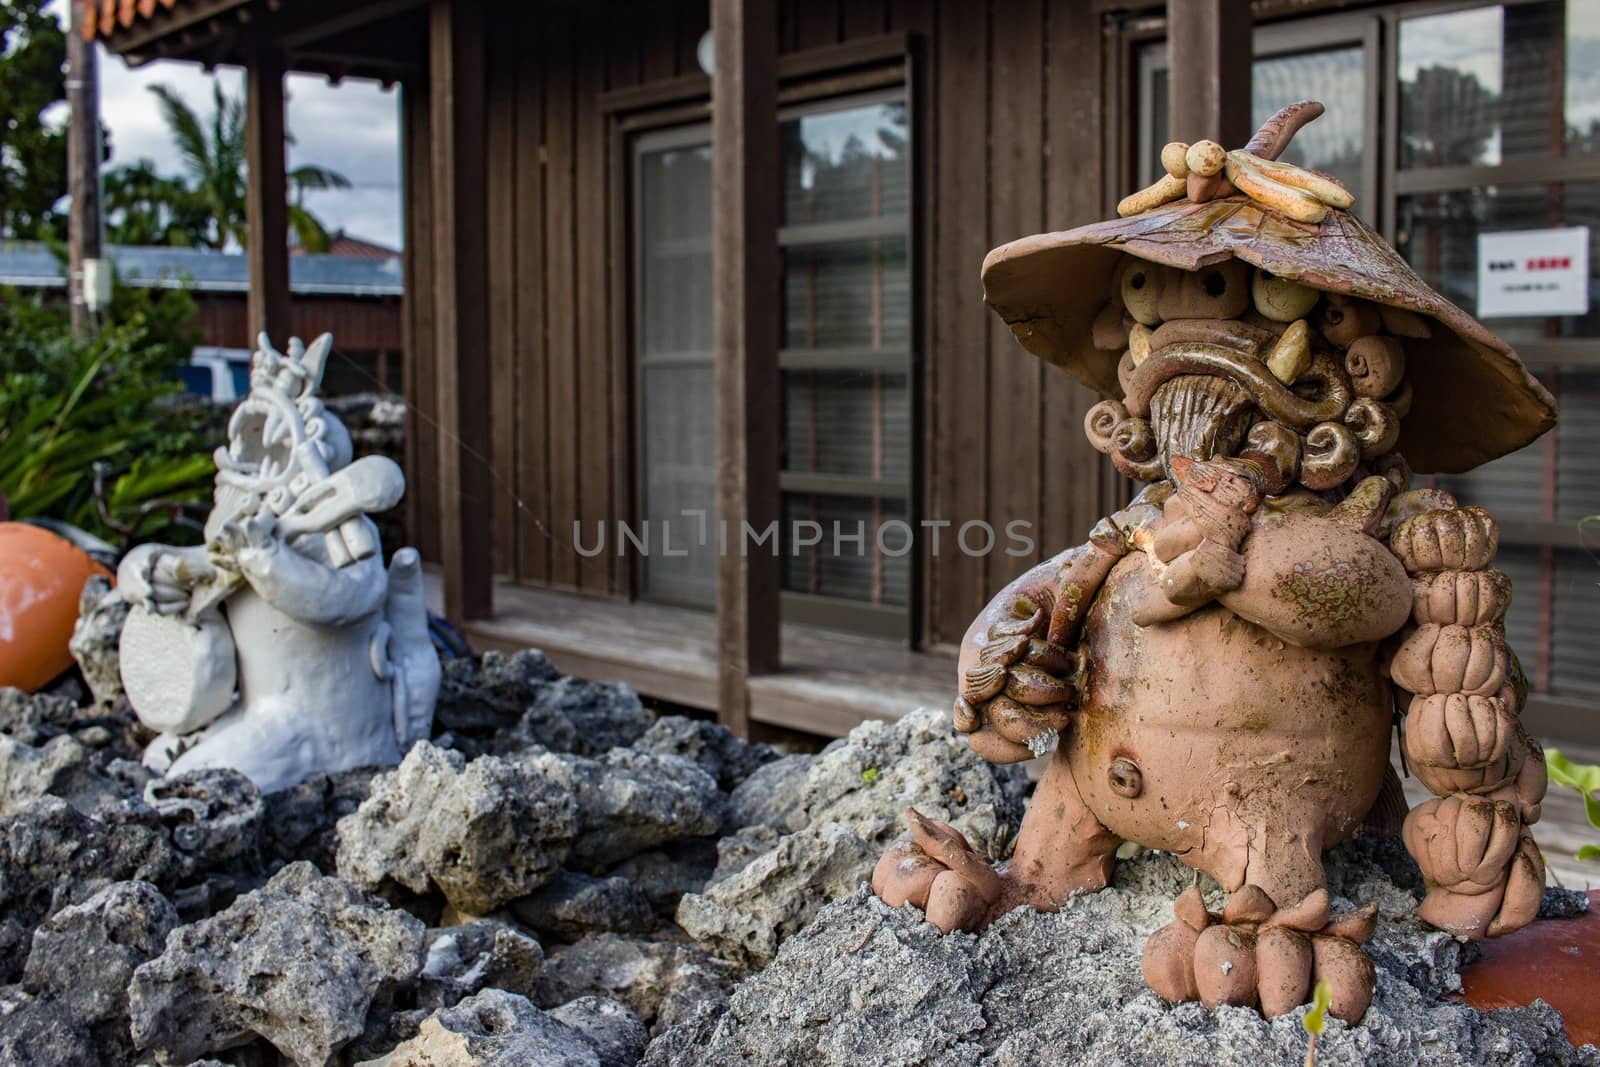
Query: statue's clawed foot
{"points": [[936, 870], [1255, 953]]}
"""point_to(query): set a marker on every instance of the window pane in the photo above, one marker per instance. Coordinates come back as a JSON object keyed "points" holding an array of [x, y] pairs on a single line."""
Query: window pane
{"points": [[855, 294], [1577, 445], [675, 252], [1438, 234], [852, 423], [1481, 86], [845, 164], [674, 382], [1336, 142], [839, 566]]}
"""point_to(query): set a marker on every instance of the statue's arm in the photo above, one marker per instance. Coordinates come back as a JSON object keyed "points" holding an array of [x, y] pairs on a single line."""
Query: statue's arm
{"points": [[1463, 736], [310, 591], [1018, 665], [161, 577]]}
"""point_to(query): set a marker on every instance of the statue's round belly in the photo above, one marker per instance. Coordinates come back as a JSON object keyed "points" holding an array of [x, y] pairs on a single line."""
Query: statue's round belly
{"points": [[1209, 727]]}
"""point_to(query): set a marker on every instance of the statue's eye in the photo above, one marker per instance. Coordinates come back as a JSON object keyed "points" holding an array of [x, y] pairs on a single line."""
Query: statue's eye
{"points": [[1141, 292]]}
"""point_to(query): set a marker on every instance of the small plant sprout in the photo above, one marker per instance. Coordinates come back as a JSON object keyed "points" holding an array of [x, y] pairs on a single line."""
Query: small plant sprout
{"points": [[869, 775], [1316, 1019], [1585, 778]]}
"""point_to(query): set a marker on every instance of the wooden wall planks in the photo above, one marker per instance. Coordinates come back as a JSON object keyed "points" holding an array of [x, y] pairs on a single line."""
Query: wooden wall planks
{"points": [[1013, 128]]}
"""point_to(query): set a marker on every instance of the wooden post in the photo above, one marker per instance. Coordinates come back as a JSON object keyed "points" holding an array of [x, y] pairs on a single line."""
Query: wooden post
{"points": [[83, 167], [744, 264], [266, 197], [1208, 83], [457, 92]]}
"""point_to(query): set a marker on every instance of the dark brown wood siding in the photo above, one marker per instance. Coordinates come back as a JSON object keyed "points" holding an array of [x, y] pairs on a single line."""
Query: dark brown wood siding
{"points": [[1008, 113]]}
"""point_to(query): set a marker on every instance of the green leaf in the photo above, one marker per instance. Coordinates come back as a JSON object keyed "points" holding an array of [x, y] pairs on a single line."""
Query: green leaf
{"points": [[869, 775], [1580, 776], [1316, 1019], [1589, 852]]}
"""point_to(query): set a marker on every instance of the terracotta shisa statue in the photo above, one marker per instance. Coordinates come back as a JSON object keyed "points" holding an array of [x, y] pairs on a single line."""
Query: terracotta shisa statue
{"points": [[1220, 667], [282, 646]]}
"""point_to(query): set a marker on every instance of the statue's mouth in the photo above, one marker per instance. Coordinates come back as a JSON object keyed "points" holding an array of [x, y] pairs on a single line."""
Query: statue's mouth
{"points": [[1290, 375]]}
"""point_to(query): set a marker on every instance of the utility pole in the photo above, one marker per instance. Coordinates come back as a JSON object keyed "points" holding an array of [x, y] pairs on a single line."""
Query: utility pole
{"points": [[87, 283]]}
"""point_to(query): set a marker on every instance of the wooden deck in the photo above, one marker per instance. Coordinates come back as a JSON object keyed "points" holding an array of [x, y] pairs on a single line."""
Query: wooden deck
{"points": [[830, 682]]}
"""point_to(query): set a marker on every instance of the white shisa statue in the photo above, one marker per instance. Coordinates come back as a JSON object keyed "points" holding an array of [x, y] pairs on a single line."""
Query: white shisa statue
{"points": [[282, 646]]}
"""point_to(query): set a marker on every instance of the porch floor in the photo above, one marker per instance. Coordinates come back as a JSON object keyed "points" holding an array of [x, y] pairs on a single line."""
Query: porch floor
{"points": [[830, 681]]}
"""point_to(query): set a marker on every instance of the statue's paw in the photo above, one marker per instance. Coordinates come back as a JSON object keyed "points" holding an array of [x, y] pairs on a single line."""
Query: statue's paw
{"points": [[935, 869], [1255, 955]]}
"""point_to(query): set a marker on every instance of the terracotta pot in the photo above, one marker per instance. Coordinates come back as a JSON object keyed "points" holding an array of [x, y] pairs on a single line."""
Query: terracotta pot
{"points": [[41, 576], [1554, 960]]}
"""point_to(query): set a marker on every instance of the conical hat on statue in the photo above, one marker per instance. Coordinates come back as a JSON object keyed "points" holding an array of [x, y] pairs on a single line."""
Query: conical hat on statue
{"points": [[1473, 400]]}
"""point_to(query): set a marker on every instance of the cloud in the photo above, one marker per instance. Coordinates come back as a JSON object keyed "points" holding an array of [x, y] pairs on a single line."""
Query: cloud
{"points": [[353, 127]]}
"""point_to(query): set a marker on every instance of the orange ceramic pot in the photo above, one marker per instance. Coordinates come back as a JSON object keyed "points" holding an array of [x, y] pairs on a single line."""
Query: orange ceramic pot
{"points": [[41, 576], [1557, 960]]}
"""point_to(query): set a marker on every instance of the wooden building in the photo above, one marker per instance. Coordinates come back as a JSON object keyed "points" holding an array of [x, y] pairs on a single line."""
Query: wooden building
{"points": [[642, 298]]}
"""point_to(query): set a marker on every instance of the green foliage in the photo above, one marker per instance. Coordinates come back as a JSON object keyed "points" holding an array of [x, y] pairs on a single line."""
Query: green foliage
{"points": [[33, 153], [205, 208], [1585, 778], [869, 775], [67, 405]]}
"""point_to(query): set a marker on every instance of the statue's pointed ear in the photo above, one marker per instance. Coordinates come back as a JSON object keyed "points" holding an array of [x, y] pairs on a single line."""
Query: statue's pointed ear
{"points": [[315, 361]]}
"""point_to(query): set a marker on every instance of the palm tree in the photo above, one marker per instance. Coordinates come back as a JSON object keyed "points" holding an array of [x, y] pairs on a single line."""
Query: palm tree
{"points": [[214, 161]]}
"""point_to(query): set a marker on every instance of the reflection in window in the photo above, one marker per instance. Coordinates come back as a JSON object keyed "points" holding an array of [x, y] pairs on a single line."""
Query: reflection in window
{"points": [[1482, 86], [1438, 234], [846, 337], [676, 439], [1336, 143]]}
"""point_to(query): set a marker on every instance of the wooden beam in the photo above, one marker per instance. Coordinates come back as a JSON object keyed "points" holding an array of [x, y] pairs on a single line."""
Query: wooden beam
{"points": [[1208, 86], [266, 195], [744, 263], [83, 168], [457, 92]]}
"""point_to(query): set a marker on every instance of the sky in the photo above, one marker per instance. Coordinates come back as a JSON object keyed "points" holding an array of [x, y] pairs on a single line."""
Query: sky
{"points": [[353, 128]]}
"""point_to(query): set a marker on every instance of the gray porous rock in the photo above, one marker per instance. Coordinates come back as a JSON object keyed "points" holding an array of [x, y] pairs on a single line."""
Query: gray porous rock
{"points": [[630, 802], [39, 1032], [96, 639], [34, 718], [603, 715], [52, 856], [490, 692], [301, 822], [482, 832], [810, 839], [658, 979], [615, 1033], [728, 759], [483, 954], [865, 983], [771, 794], [81, 960], [499, 1029], [61, 767], [665, 874], [745, 916], [574, 904], [867, 779], [299, 962], [213, 815]]}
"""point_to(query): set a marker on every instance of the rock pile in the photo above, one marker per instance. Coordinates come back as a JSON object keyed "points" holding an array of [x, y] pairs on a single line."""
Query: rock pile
{"points": [[558, 877]]}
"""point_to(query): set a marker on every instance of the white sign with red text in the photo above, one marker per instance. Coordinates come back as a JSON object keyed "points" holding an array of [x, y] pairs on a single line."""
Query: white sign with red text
{"points": [[1533, 272]]}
